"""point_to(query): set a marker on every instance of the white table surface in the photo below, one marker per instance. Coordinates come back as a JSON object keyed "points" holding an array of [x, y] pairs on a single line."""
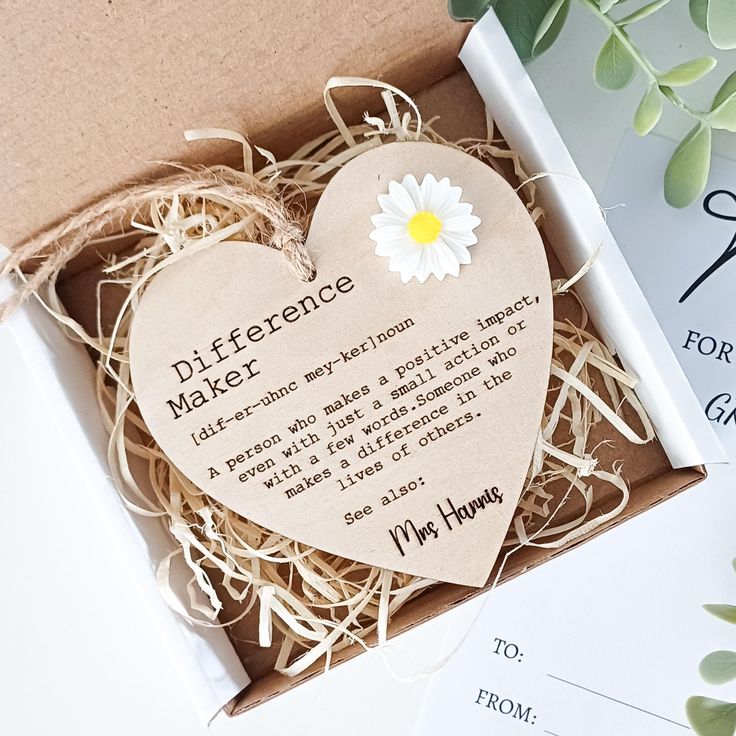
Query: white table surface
{"points": [[77, 654]]}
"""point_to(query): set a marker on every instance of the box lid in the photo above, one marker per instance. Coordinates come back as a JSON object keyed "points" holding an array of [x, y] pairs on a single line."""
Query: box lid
{"points": [[95, 93]]}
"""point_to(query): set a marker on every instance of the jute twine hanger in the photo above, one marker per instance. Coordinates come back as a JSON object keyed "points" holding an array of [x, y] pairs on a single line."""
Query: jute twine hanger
{"points": [[115, 212]]}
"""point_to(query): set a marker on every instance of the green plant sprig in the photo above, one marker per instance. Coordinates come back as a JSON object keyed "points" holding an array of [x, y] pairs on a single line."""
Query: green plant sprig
{"points": [[534, 25], [709, 716]]}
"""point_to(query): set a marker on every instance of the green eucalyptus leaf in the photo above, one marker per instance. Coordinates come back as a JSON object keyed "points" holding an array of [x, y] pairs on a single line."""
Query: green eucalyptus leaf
{"points": [[649, 111], [722, 611], [710, 717], [687, 73], [521, 19], [606, 5], [550, 26], [468, 9], [687, 172], [723, 110], [642, 13], [718, 667], [724, 116], [614, 67], [699, 13], [721, 21], [725, 91]]}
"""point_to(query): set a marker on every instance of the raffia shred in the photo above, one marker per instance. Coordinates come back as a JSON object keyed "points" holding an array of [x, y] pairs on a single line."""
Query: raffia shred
{"points": [[318, 602]]}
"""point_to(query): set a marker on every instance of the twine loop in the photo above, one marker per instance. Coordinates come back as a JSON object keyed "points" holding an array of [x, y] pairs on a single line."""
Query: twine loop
{"points": [[290, 241], [238, 206]]}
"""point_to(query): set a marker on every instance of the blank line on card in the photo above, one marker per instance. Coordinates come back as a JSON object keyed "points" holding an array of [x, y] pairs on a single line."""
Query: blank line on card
{"points": [[620, 702]]}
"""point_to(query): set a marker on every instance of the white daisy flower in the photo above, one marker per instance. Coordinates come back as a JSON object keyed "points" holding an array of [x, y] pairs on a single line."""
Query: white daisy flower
{"points": [[424, 229]]}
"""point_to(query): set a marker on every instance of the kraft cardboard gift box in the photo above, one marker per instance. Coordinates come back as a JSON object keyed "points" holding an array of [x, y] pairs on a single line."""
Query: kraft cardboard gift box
{"points": [[113, 86]]}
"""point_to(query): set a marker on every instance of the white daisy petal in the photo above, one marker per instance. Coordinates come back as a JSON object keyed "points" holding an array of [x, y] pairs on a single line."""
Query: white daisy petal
{"points": [[424, 267], [436, 262], [461, 224], [429, 188], [391, 234], [408, 272], [384, 248], [390, 207], [460, 252], [404, 254], [462, 209], [385, 219], [389, 231], [447, 200], [411, 185], [410, 266], [401, 198], [465, 239], [454, 194], [447, 259], [405, 260]]}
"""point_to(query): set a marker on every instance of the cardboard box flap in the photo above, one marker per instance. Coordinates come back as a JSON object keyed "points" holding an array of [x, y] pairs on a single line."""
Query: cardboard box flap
{"points": [[95, 93]]}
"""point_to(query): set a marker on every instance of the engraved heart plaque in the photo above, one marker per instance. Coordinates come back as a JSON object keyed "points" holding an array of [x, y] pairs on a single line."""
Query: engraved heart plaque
{"points": [[390, 423]]}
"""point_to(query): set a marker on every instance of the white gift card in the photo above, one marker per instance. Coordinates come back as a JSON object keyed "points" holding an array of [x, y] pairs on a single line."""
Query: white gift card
{"points": [[607, 639], [685, 263], [604, 640]]}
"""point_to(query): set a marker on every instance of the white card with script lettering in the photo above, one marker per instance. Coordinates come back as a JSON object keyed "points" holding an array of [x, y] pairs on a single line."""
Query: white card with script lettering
{"points": [[685, 263]]}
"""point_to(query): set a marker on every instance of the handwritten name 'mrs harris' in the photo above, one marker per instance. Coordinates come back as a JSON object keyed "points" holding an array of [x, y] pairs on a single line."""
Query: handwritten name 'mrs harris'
{"points": [[450, 516]]}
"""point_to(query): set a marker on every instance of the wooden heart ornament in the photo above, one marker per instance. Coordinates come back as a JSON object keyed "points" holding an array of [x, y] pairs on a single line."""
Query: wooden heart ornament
{"points": [[390, 423]]}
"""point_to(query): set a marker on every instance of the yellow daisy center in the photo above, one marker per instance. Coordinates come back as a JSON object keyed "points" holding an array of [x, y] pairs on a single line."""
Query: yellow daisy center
{"points": [[424, 227]]}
